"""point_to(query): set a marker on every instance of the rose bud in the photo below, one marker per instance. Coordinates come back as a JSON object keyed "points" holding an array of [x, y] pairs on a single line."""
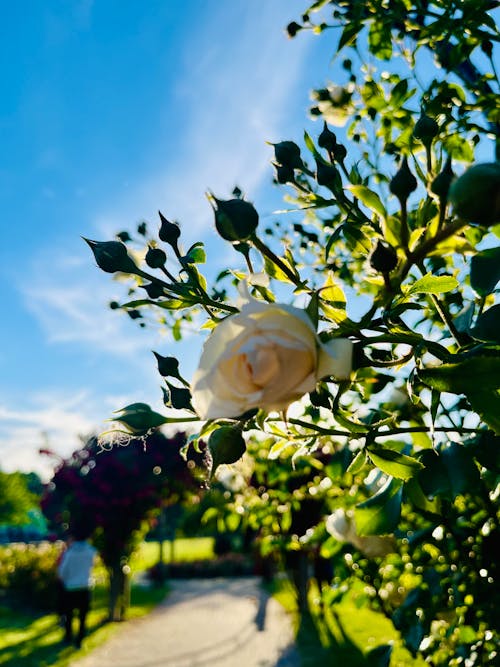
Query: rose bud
{"points": [[138, 418], [153, 290], [293, 28], [287, 153], [327, 139], [167, 366], [178, 398], [284, 174], [383, 258], [235, 219], [169, 231], [403, 183], [426, 129], [440, 186], [155, 258], [226, 445], [339, 152], [328, 175], [475, 195], [112, 256]]}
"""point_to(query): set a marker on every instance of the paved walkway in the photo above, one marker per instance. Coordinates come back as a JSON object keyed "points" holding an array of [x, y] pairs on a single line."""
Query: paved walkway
{"points": [[204, 623]]}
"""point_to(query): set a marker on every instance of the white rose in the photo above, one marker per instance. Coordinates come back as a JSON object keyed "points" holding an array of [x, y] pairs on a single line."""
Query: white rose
{"points": [[341, 526], [266, 356]]}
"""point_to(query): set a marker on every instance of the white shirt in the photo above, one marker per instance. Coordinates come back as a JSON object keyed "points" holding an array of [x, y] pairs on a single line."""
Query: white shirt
{"points": [[76, 565]]}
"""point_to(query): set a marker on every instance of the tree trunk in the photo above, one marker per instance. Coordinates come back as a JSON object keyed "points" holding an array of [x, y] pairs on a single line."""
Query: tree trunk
{"points": [[119, 592]]}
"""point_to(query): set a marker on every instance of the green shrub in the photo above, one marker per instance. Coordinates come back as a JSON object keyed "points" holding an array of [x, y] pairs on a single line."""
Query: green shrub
{"points": [[28, 574]]}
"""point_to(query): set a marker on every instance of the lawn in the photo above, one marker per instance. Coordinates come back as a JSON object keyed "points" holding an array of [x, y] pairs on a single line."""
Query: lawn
{"points": [[31, 640], [343, 635]]}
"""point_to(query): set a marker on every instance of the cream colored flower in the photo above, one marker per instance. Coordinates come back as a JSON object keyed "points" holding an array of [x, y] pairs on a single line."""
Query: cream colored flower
{"points": [[266, 356], [342, 527]]}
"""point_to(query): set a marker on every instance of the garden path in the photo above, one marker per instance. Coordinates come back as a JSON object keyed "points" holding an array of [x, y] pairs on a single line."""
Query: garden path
{"points": [[204, 623]]}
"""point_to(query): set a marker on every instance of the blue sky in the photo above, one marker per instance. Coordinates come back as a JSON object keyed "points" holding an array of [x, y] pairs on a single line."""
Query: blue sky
{"points": [[109, 111]]}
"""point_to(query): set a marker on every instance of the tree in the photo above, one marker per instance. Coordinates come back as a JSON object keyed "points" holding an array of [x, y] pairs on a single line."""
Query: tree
{"points": [[391, 344], [112, 491], [16, 499]]}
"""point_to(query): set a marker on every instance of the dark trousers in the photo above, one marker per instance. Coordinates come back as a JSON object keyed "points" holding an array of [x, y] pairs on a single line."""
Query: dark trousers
{"points": [[79, 600]]}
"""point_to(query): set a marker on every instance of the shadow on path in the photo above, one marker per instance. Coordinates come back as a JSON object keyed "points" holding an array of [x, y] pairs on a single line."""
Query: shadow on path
{"points": [[204, 623]]}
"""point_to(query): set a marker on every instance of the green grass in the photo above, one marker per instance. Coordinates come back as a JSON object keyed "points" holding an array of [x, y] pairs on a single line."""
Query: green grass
{"points": [[341, 635], [31, 640], [184, 549], [28, 640]]}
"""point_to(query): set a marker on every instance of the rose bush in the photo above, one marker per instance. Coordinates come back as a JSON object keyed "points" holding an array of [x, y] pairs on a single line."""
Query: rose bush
{"points": [[266, 356], [387, 244]]}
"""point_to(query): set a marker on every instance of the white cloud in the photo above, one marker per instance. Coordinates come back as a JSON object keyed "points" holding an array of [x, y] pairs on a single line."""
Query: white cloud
{"points": [[233, 92], [76, 312], [53, 420], [234, 105], [236, 93]]}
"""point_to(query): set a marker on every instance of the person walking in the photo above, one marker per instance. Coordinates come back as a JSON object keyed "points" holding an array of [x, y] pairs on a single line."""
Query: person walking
{"points": [[74, 571]]}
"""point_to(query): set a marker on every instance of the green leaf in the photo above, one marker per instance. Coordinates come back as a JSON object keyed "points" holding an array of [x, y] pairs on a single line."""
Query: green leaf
{"points": [[394, 463], [312, 308], [274, 271], [462, 471], [487, 326], [330, 547], [380, 514], [485, 448], [349, 34], [481, 372], [416, 496], [450, 473], [278, 448], [380, 656], [357, 463], [310, 145], [485, 271], [391, 228], [433, 479], [176, 330], [459, 148], [464, 318], [487, 405], [430, 284], [399, 93], [196, 254], [369, 198], [356, 239], [353, 427], [380, 40]]}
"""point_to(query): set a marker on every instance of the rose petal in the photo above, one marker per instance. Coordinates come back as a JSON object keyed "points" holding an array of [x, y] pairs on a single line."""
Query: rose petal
{"points": [[335, 359]]}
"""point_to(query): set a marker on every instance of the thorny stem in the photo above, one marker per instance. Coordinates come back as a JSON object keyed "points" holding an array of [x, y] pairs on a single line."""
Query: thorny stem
{"points": [[404, 226], [168, 274], [421, 251], [196, 282], [482, 303], [446, 317], [267, 252], [434, 348], [444, 314], [442, 212], [428, 154], [379, 434]]}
